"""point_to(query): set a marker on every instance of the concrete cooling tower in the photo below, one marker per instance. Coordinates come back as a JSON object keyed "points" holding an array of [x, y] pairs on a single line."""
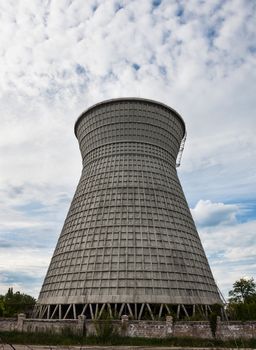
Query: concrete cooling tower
{"points": [[129, 244]]}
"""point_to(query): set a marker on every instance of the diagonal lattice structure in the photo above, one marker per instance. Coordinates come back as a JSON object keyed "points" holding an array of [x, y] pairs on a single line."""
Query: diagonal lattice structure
{"points": [[129, 244]]}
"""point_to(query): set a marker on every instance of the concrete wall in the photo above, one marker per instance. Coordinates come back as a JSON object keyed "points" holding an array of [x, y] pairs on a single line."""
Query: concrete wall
{"points": [[192, 329], [131, 328], [236, 329], [45, 325], [8, 324]]}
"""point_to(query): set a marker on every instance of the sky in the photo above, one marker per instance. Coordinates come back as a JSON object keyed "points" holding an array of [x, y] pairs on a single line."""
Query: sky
{"points": [[59, 57]]}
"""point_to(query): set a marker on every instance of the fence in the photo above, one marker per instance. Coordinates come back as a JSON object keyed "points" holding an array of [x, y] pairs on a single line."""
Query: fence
{"points": [[150, 329]]}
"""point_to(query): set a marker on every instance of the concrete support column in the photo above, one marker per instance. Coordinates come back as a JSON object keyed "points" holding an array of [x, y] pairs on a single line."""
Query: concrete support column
{"points": [[124, 325], [218, 328], [21, 318], [81, 325], [169, 325]]}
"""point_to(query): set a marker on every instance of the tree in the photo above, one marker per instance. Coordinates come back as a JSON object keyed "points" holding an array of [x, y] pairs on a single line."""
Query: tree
{"points": [[242, 301], [12, 303], [243, 290], [1, 305]]}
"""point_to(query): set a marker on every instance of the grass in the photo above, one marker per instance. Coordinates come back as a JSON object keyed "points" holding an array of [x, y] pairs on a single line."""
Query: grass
{"points": [[71, 339]]}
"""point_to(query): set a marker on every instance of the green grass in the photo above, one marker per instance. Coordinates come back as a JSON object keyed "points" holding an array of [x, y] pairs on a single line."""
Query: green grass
{"points": [[67, 338]]}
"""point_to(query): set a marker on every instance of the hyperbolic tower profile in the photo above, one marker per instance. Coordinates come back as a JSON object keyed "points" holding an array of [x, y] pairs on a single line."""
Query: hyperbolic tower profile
{"points": [[129, 244]]}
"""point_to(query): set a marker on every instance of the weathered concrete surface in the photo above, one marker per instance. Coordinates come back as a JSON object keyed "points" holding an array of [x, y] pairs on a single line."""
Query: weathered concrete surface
{"points": [[236, 329], [133, 328], [192, 329], [129, 230], [8, 324]]}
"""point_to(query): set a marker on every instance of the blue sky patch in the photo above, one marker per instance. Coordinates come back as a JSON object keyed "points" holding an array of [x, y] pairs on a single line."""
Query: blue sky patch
{"points": [[136, 66], [180, 11], [80, 70], [247, 212], [18, 277], [252, 49], [156, 3], [30, 207], [118, 7], [162, 70]]}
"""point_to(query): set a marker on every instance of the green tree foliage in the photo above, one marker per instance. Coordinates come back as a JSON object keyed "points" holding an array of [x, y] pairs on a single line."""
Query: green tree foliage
{"points": [[242, 300], [243, 291], [1, 305], [12, 303]]}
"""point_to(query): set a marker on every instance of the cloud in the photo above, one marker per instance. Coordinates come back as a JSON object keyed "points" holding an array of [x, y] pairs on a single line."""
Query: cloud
{"points": [[23, 268], [207, 213], [228, 237], [50, 42], [233, 235], [61, 57], [226, 274]]}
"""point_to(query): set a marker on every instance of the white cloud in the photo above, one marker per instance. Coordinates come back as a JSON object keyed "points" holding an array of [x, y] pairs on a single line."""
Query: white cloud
{"points": [[23, 269], [207, 213], [237, 254], [224, 238], [229, 244], [59, 57], [227, 273]]}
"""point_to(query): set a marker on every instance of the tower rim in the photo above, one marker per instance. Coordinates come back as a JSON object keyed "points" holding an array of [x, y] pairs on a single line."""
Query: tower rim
{"points": [[125, 99]]}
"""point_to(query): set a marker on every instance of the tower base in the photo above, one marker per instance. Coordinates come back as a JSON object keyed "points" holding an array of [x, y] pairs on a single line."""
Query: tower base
{"points": [[144, 311]]}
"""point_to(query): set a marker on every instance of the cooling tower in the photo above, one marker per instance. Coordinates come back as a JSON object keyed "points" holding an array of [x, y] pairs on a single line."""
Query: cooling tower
{"points": [[129, 244]]}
